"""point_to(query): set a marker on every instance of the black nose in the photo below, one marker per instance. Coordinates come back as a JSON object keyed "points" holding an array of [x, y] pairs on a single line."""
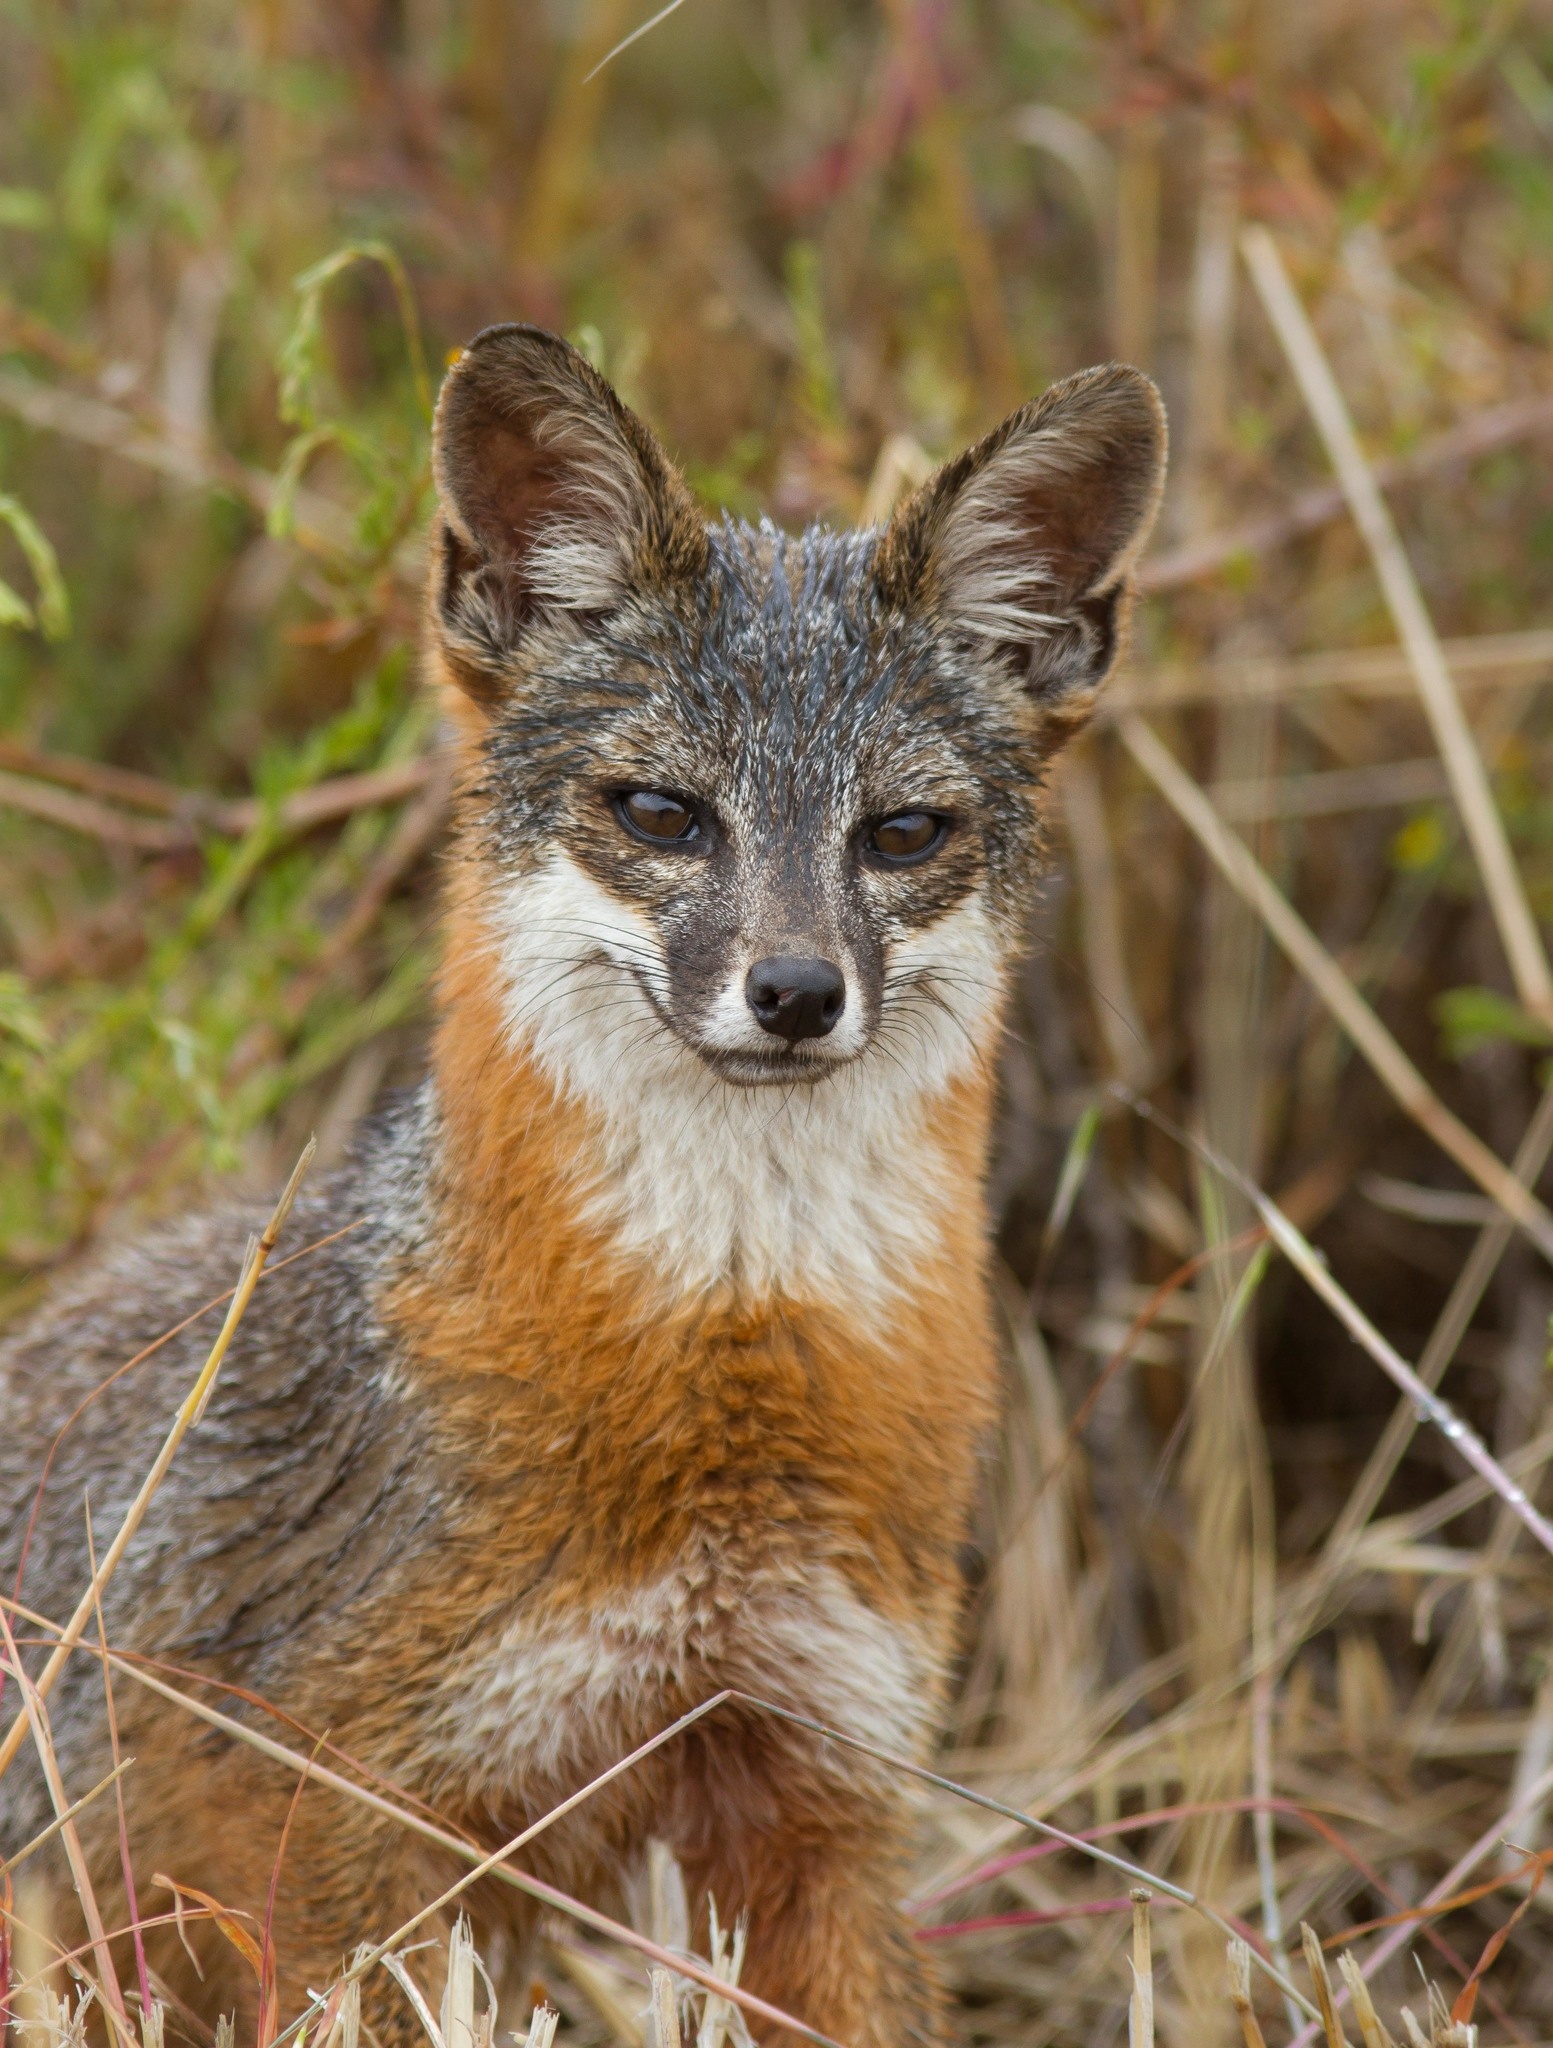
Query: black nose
{"points": [[795, 998]]}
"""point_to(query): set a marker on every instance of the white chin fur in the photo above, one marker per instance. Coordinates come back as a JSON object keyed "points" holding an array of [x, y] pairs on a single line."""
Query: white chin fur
{"points": [[798, 1190]]}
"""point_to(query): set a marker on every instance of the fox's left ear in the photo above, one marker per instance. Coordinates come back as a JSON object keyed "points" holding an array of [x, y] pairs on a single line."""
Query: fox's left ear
{"points": [[556, 501], [1022, 546]]}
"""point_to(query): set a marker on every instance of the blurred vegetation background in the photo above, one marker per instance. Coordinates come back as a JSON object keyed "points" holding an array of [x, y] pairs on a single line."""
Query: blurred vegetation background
{"points": [[818, 246]]}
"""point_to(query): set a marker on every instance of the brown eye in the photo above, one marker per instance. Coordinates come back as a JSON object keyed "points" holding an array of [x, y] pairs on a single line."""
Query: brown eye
{"points": [[652, 815], [907, 837]]}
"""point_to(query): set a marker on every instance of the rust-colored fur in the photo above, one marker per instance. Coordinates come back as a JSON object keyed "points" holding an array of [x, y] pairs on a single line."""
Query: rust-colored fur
{"points": [[771, 1434], [528, 1463], [769, 1438]]}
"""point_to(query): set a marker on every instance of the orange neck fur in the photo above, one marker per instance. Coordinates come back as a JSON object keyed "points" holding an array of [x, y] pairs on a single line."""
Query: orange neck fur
{"points": [[680, 1411]]}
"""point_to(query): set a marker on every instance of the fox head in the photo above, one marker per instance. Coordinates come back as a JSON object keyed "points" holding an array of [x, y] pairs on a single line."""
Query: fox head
{"points": [[758, 813]]}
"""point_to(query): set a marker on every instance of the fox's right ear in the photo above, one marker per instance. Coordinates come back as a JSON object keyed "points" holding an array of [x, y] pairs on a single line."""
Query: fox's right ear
{"points": [[555, 501], [1022, 548]]}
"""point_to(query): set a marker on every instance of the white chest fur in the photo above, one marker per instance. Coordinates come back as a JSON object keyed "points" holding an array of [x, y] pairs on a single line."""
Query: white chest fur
{"points": [[557, 1697], [834, 1190]]}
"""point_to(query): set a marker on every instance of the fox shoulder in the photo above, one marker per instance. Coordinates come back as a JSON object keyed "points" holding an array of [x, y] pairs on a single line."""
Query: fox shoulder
{"points": [[297, 1442]]}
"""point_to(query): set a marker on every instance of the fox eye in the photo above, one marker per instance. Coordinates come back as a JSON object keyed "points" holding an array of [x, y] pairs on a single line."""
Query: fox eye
{"points": [[650, 814], [909, 836]]}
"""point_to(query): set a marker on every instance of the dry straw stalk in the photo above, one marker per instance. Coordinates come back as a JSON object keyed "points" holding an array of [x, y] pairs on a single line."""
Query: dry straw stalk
{"points": [[1245, 874], [1502, 880]]}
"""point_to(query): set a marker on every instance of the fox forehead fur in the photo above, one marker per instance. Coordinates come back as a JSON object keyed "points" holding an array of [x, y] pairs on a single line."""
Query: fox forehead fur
{"points": [[788, 695]]}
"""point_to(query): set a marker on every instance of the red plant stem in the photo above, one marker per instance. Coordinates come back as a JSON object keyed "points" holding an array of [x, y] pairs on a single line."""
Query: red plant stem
{"points": [[5, 1962], [986, 1872], [269, 1994], [1087, 1910]]}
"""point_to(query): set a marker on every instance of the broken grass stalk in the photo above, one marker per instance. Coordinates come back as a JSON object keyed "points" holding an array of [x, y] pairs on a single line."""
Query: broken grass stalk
{"points": [[1140, 2008], [1239, 1955], [1316, 1963], [1372, 2032]]}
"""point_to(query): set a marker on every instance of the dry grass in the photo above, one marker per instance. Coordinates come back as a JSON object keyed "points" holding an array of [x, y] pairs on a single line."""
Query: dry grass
{"points": [[1246, 1618]]}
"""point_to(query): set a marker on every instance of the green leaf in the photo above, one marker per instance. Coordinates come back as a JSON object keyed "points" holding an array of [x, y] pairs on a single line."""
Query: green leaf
{"points": [[301, 355], [1074, 1166], [21, 207], [281, 519], [1420, 844], [19, 1016], [1473, 1017], [51, 615]]}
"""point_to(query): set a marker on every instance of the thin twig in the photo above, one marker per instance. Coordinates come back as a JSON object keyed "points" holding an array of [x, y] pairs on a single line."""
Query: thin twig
{"points": [[1481, 659], [125, 1863], [339, 797], [1391, 1064], [1497, 426], [635, 36], [100, 778], [1502, 881], [416, 828], [1329, 792], [188, 815], [81, 417], [34, 1715], [1444, 1338], [1312, 1268], [93, 819]]}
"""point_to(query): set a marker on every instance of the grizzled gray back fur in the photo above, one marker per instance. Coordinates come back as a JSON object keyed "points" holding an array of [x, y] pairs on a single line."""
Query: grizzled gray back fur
{"points": [[307, 1489]]}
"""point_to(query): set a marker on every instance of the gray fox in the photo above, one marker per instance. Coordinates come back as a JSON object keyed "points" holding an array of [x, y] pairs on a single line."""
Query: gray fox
{"points": [[660, 1358]]}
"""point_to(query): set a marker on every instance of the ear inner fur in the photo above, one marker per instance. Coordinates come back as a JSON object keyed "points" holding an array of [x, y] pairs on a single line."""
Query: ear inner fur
{"points": [[1023, 544], [555, 500]]}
